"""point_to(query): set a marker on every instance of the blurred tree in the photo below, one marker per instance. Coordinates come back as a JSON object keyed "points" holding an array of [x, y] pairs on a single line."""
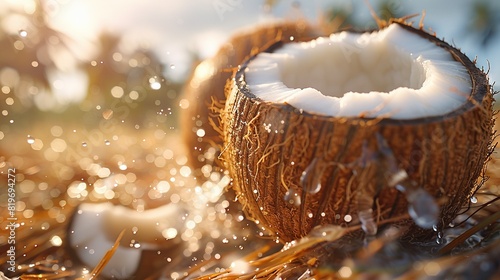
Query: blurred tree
{"points": [[269, 4], [113, 67], [30, 53], [484, 20], [338, 18], [388, 9], [27, 51], [126, 81]]}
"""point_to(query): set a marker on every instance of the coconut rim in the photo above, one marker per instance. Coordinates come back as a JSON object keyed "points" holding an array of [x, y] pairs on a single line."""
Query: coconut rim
{"points": [[480, 87]]}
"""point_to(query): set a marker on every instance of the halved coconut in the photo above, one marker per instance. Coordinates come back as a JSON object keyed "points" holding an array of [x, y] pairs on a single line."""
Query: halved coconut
{"points": [[357, 128], [206, 86]]}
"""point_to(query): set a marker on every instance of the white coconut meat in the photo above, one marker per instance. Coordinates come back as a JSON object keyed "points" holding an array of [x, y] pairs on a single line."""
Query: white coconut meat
{"points": [[95, 227], [391, 73]]}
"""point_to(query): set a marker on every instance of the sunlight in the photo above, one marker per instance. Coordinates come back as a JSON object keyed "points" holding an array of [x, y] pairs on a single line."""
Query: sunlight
{"points": [[68, 87], [28, 6], [76, 19]]}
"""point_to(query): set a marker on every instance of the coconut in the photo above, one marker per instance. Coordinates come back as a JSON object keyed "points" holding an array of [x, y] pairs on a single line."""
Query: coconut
{"points": [[357, 129], [206, 86], [146, 237]]}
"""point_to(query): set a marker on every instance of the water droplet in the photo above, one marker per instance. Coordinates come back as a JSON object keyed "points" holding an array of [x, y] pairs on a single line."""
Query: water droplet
{"points": [[292, 197], [422, 207], [30, 140], [200, 132], [345, 272], [106, 142], [56, 241], [9, 101], [84, 144], [367, 222], [439, 240], [311, 177], [155, 83], [172, 66], [23, 33], [348, 218], [134, 244], [473, 199], [267, 127]]}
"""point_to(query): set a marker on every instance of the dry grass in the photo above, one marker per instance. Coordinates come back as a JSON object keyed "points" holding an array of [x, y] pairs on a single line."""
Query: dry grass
{"points": [[329, 253]]}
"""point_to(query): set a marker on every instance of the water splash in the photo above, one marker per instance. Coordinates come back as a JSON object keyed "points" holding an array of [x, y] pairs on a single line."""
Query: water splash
{"points": [[378, 169], [367, 222], [422, 207], [368, 188]]}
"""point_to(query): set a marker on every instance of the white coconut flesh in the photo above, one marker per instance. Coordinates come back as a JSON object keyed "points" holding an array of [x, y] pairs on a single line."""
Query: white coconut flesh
{"points": [[392, 73], [95, 227]]}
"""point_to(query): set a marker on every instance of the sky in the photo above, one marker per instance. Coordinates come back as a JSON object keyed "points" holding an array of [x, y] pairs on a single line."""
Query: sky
{"points": [[175, 28]]}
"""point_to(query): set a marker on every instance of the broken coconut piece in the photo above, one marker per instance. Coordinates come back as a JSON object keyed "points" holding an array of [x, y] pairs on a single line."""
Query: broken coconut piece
{"points": [[320, 132], [152, 234]]}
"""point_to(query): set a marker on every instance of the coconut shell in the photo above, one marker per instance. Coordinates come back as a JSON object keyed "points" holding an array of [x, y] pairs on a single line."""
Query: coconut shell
{"points": [[205, 89], [268, 146]]}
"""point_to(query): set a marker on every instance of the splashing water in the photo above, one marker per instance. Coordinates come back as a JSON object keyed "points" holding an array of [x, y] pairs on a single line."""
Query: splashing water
{"points": [[367, 222], [422, 207], [379, 169], [367, 190]]}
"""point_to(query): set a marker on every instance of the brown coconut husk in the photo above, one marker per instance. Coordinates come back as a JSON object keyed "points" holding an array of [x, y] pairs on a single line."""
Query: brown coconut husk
{"points": [[205, 89], [445, 155]]}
